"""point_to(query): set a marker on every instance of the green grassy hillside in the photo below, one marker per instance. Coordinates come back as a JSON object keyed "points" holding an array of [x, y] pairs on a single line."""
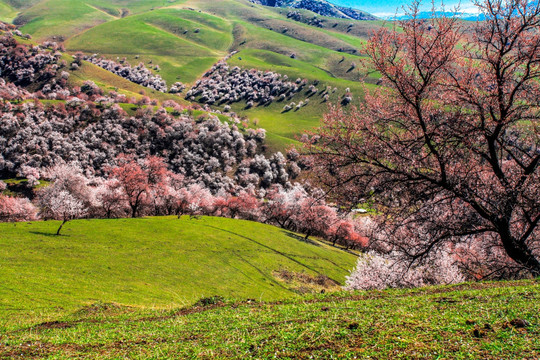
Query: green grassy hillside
{"points": [[154, 262], [65, 18], [471, 321], [9, 9], [183, 43], [7, 12], [60, 18]]}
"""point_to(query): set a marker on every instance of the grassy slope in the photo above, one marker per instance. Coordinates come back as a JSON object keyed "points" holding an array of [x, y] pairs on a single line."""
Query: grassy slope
{"points": [[262, 28], [65, 18], [150, 262], [131, 6], [60, 18], [354, 29], [21, 4], [7, 12], [158, 36], [430, 323]]}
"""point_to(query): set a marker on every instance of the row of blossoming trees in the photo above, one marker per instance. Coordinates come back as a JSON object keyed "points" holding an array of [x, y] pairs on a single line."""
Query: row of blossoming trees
{"points": [[139, 188], [223, 85]]}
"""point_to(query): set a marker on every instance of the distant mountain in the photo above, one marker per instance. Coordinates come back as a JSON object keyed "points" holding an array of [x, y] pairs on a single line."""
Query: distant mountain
{"points": [[321, 7]]}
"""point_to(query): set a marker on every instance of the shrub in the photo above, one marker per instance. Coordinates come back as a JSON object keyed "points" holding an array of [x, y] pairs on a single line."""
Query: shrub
{"points": [[377, 271], [138, 74]]}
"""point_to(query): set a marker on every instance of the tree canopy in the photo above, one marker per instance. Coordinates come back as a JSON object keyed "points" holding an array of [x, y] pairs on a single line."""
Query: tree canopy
{"points": [[449, 146]]}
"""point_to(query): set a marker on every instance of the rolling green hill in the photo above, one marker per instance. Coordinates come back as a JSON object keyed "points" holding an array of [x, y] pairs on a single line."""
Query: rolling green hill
{"points": [[155, 262], [158, 37], [64, 18], [7, 12]]}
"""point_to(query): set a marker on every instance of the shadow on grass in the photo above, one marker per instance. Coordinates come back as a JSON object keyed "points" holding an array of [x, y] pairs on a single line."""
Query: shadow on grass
{"points": [[319, 243], [273, 281], [47, 234], [266, 247], [300, 238]]}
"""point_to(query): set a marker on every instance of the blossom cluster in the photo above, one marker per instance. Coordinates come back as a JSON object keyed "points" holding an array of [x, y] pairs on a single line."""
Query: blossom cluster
{"points": [[204, 150], [147, 187], [24, 65], [223, 85], [139, 74]]}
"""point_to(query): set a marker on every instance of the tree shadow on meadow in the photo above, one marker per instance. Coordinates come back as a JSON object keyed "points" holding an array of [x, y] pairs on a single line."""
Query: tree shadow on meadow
{"points": [[300, 238], [50, 234]]}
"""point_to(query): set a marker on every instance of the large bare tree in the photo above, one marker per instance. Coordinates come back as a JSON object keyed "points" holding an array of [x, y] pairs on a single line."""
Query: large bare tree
{"points": [[449, 146]]}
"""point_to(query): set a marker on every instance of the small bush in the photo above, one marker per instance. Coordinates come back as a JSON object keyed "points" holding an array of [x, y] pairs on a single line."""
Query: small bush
{"points": [[212, 300]]}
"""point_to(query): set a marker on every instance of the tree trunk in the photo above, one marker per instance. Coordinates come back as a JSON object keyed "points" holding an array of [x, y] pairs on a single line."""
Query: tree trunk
{"points": [[60, 228], [133, 211], [520, 253]]}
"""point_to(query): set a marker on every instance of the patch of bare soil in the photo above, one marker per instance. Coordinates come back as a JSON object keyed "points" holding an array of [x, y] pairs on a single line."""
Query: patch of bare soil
{"points": [[304, 283]]}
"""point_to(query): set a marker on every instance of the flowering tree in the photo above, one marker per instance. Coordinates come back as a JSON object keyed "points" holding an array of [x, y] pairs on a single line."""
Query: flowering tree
{"points": [[16, 209], [344, 232], [69, 197], [243, 206], [376, 271], [283, 205], [450, 145], [172, 196], [61, 205], [158, 182], [110, 198], [314, 217], [198, 200], [133, 181], [70, 178]]}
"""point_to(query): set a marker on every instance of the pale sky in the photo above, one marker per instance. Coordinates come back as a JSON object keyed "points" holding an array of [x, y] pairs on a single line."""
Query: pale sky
{"points": [[386, 8]]}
